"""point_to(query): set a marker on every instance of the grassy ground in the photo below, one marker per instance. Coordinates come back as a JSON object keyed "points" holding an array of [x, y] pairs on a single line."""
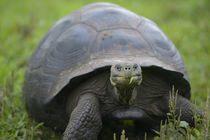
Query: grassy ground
{"points": [[24, 22]]}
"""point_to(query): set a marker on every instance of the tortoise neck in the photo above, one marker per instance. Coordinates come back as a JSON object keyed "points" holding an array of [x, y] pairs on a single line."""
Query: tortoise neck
{"points": [[126, 95]]}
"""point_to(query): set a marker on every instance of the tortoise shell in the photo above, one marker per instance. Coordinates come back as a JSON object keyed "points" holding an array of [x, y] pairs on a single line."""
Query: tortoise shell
{"points": [[96, 36]]}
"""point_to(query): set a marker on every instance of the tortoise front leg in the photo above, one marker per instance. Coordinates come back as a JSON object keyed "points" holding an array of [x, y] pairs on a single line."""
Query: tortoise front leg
{"points": [[187, 110], [184, 108], [85, 120]]}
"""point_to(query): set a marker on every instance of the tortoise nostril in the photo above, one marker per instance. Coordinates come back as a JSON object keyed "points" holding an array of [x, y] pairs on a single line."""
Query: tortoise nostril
{"points": [[127, 68]]}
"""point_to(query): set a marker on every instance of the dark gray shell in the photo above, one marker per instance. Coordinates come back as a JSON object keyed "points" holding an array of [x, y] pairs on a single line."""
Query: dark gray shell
{"points": [[95, 36]]}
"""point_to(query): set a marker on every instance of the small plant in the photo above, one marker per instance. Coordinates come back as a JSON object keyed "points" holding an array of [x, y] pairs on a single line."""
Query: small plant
{"points": [[122, 137], [174, 129]]}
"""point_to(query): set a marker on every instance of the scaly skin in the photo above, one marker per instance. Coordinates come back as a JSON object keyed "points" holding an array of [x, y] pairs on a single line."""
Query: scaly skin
{"points": [[187, 110], [85, 120], [97, 99]]}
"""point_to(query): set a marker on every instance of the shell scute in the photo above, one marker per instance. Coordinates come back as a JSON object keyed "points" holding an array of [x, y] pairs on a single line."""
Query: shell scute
{"points": [[70, 48]]}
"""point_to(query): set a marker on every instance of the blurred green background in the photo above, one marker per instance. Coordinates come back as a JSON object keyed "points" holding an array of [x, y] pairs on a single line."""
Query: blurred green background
{"points": [[24, 22]]}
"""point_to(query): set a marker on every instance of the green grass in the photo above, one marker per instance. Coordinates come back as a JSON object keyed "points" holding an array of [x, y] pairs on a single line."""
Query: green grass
{"points": [[24, 22], [176, 129]]}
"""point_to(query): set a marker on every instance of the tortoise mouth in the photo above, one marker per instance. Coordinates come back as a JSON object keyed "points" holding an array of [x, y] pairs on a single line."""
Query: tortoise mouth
{"points": [[118, 80], [134, 76]]}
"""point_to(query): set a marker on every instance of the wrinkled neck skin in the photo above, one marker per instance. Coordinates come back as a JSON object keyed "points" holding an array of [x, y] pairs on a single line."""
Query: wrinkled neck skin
{"points": [[126, 95]]}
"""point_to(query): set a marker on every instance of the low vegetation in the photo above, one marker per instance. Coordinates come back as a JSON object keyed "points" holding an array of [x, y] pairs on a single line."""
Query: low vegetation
{"points": [[175, 129], [23, 23]]}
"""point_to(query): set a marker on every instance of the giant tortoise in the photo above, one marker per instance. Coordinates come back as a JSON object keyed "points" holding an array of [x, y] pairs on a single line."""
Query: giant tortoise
{"points": [[104, 63]]}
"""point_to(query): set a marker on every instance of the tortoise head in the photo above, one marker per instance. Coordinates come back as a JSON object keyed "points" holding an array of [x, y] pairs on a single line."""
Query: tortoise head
{"points": [[125, 77]]}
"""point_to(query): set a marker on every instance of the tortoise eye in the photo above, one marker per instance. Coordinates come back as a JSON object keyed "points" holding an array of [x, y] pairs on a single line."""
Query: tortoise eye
{"points": [[118, 67], [135, 66]]}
